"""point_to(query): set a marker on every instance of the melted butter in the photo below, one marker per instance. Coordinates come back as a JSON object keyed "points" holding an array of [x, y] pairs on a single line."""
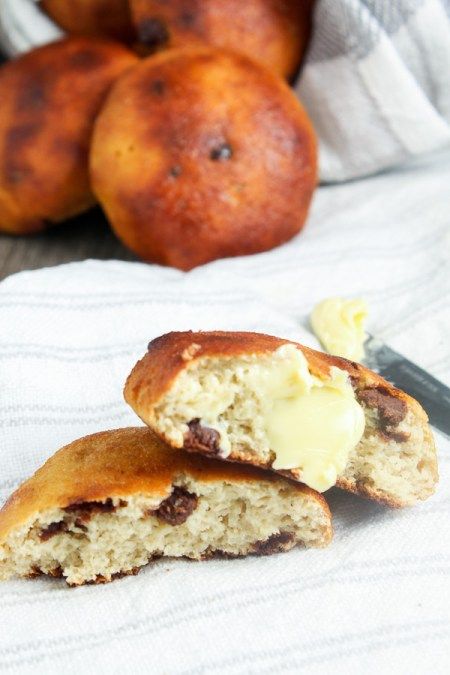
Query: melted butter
{"points": [[339, 325], [311, 424]]}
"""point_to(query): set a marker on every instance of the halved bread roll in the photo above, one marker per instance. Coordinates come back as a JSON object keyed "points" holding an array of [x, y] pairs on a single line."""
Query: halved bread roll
{"points": [[272, 403], [107, 504]]}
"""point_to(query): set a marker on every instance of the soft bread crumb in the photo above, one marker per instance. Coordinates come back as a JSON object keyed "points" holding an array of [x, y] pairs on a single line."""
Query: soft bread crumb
{"points": [[218, 392], [229, 518], [403, 472]]}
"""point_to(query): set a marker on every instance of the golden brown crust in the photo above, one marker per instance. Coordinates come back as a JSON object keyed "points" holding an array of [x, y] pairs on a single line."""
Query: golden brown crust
{"points": [[169, 354], [117, 463], [49, 100], [224, 165], [274, 32], [94, 18]]}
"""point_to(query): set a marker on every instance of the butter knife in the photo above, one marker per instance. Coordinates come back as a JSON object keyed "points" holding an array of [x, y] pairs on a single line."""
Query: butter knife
{"points": [[433, 395]]}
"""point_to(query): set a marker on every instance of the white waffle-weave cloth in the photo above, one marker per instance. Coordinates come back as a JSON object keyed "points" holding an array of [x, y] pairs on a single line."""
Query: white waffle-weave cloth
{"points": [[377, 600]]}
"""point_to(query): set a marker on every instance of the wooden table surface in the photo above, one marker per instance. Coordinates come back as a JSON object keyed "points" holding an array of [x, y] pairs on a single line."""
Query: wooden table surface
{"points": [[87, 236]]}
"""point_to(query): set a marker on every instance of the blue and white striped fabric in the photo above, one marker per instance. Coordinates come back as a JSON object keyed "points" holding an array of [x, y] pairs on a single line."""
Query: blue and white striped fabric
{"points": [[376, 81], [377, 600]]}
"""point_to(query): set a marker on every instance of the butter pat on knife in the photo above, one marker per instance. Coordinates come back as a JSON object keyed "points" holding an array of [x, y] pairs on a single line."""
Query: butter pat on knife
{"points": [[339, 324]]}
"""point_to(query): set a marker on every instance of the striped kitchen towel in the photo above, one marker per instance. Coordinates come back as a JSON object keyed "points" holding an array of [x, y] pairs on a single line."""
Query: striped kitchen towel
{"points": [[376, 81], [377, 600]]}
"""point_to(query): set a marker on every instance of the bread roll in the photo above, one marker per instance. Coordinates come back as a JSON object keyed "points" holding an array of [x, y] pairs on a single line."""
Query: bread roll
{"points": [[261, 400], [107, 504], [202, 154], [273, 32], [49, 100]]}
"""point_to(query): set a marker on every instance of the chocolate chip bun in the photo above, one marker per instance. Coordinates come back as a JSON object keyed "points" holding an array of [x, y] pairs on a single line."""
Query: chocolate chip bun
{"points": [[273, 32], [202, 154], [107, 504], [237, 395], [49, 99], [95, 18]]}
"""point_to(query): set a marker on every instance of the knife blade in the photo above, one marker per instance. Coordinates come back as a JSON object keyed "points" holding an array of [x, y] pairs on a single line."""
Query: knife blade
{"points": [[433, 395]]}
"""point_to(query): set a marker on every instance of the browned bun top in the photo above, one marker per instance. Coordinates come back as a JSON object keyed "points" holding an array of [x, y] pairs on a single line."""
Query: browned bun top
{"points": [[169, 354], [49, 99], [274, 32], [201, 154], [95, 18], [117, 463]]}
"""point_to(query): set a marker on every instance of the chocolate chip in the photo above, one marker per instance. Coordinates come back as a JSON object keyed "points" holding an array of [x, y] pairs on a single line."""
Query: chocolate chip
{"points": [[52, 530], [153, 32], [397, 436], [175, 171], [91, 507], [201, 439], [221, 153], [158, 87], [391, 410], [84, 510], [276, 543], [177, 508]]}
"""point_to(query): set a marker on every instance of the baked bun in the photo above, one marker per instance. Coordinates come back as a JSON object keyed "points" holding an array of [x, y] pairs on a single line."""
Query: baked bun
{"points": [[107, 504], [273, 32], [49, 100], [202, 154], [231, 394], [95, 18]]}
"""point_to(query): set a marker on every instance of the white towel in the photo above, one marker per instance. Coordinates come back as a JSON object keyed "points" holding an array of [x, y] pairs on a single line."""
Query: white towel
{"points": [[376, 81], [377, 600]]}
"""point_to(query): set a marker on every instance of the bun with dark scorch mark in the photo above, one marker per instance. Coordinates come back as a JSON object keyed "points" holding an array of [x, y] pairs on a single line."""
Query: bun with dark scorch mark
{"points": [[202, 154], [49, 99]]}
